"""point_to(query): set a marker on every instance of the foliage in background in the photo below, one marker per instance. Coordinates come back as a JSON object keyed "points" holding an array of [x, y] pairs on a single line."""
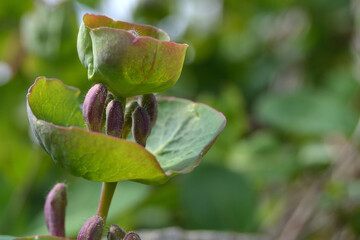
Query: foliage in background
{"points": [[284, 73]]}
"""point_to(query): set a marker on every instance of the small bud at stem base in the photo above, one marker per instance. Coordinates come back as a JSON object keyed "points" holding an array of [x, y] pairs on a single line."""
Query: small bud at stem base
{"points": [[115, 233], [92, 229]]}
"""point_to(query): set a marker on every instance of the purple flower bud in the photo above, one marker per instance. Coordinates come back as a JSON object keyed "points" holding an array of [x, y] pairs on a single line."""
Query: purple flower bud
{"points": [[115, 233], [141, 126], [93, 107], [92, 229], [114, 118], [132, 236], [130, 107], [149, 102], [54, 210]]}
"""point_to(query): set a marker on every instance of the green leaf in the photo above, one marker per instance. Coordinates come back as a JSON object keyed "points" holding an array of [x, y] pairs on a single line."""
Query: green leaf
{"points": [[212, 197], [306, 113], [99, 21], [56, 103], [183, 134], [129, 59], [91, 155]]}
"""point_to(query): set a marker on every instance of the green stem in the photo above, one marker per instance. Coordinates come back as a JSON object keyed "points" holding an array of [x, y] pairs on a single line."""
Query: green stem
{"points": [[107, 192], [123, 102]]}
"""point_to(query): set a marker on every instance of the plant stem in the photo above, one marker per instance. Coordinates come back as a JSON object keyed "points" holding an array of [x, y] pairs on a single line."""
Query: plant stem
{"points": [[108, 189], [107, 193]]}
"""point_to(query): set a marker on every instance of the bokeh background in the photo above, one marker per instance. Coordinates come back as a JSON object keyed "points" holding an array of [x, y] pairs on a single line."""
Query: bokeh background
{"points": [[284, 72]]}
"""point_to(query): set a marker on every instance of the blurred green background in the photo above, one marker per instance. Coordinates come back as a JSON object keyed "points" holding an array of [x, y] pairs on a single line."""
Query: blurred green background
{"points": [[285, 74]]}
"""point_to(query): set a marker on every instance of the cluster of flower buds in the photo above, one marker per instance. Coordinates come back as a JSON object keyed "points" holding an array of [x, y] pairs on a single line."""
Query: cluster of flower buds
{"points": [[139, 116], [93, 229]]}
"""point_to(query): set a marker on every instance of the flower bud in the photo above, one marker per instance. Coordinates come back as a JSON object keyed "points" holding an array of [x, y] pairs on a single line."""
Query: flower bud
{"points": [[54, 210], [93, 107], [130, 107], [141, 126], [148, 101], [92, 229], [115, 233], [132, 236], [114, 118]]}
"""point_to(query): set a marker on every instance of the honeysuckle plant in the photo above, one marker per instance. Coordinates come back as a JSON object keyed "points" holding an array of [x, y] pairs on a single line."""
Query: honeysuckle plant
{"points": [[121, 130]]}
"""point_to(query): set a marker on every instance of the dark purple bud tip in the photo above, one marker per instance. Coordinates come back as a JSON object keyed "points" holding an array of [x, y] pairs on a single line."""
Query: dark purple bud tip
{"points": [[54, 210], [141, 125], [92, 229], [115, 233], [114, 118], [93, 107], [132, 236], [130, 107], [149, 102]]}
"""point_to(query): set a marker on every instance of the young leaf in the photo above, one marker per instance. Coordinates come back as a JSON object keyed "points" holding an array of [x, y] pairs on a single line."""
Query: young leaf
{"points": [[130, 59]]}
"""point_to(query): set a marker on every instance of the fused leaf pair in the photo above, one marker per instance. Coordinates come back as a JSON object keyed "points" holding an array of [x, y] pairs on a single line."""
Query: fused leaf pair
{"points": [[182, 134], [129, 59]]}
